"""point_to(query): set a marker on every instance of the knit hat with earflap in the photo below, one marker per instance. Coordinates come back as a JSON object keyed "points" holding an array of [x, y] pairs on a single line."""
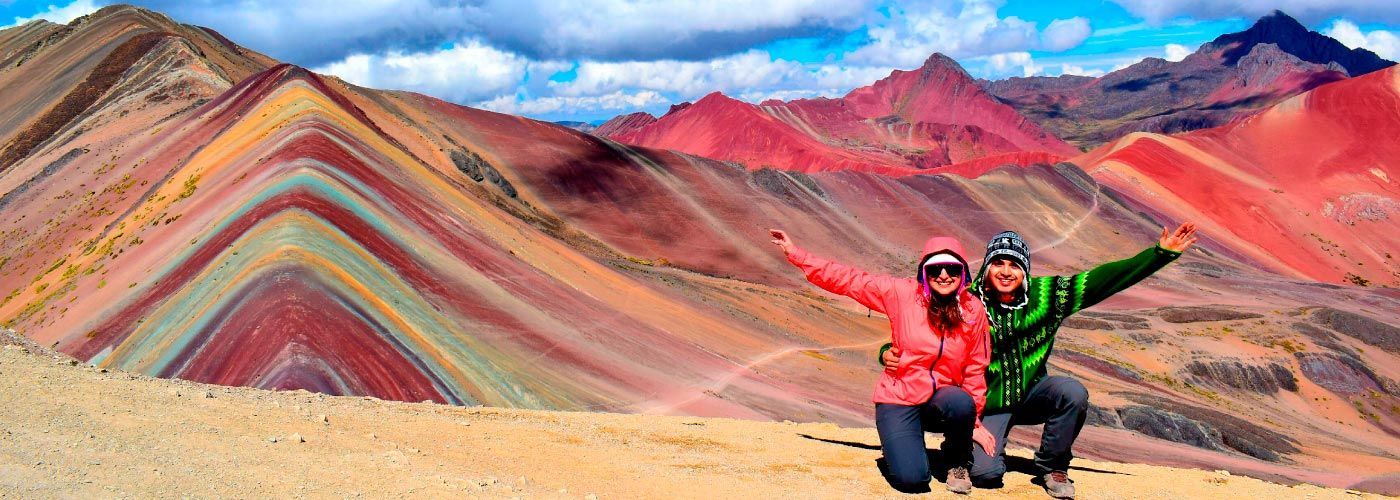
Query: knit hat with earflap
{"points": [[1010, 246]]}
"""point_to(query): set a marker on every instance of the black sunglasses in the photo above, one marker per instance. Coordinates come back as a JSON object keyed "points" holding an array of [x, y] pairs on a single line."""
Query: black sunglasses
{"points": [[934, 270]]}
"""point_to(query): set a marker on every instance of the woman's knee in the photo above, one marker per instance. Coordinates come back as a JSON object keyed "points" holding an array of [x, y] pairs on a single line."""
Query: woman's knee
{"points": [[955, 403], [909, 475]]}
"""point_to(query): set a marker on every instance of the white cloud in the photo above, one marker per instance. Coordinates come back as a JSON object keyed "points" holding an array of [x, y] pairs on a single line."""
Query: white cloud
{"points": [[959, 29], [1022, 64], [750, 70], [468, 71], [1069, 69], [1308, 11], [1176, 52], [60, 15], [615, 101], [1065, 34], [1384, 43], [832, 76], [1012, 62], [317, 32], [758, 97]]}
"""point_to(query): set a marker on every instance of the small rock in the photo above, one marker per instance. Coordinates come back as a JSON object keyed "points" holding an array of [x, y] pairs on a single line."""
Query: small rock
{"points": [[372, 436], [1222, 472], [208, 395], [296, 438], [272, 439], [323, 419], [489, 479], [590, 496]]}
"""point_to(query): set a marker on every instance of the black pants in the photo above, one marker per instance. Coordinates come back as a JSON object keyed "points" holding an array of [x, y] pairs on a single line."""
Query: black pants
{"points": [[1058, 402], [902, 428]]}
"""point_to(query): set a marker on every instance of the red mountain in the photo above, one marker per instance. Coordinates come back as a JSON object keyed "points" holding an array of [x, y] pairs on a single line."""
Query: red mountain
{"points": [[942, 92], [624, 124], [912, 120], [1307, 187]]}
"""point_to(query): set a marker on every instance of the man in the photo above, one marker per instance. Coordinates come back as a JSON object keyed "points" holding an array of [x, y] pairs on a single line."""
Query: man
{"points": [[1025, 312]]}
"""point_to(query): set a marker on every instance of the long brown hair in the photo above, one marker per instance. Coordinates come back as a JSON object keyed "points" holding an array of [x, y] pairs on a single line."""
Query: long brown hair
{"points": [[943, 312]]}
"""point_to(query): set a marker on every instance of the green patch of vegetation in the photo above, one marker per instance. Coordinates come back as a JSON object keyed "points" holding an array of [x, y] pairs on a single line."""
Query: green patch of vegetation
{"points": [[191, 184], [658, 262], [1287, 345]]}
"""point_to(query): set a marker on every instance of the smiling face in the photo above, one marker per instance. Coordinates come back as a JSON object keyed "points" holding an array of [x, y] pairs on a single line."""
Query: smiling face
{"points": [[944, 279], [1005, 276]]}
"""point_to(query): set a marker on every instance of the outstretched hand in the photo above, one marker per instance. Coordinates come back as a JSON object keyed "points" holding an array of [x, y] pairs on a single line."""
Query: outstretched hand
{"points": [[781, 239], [1179, 240]]}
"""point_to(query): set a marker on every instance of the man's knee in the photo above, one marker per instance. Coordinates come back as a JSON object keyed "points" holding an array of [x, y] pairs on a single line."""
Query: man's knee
{"points": [[1071, 393], [988, 474]]}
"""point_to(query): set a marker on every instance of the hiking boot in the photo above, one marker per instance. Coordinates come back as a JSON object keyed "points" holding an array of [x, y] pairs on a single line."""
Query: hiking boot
{"points": [[958, 481], [1058, 485]]}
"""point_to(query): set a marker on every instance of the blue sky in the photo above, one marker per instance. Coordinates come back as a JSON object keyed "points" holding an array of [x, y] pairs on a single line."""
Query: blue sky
{"points": [[569, 60]]}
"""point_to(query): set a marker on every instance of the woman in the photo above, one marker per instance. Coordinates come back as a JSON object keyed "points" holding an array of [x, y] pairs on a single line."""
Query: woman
{"points": [[941, 333]]}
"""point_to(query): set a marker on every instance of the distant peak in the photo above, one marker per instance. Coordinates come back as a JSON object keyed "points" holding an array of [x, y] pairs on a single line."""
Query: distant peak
{"points": [[938, 60], [939, 63], [1294, 38], [1279, 22]]}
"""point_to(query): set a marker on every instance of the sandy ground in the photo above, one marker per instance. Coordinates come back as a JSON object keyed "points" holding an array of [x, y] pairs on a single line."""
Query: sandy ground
{"points": [[70, 430]]}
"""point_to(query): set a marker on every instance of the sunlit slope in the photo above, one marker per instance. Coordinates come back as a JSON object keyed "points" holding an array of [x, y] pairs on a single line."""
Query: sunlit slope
{"points": [[1306, 188]]}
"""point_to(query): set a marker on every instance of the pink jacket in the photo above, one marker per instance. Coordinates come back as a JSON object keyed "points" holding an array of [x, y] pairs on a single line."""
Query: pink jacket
{"points": [[964, 352]]}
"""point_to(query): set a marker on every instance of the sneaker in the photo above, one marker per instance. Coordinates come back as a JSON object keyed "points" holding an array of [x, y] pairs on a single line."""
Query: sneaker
{"points": [[1058, 485], [958, 481]]}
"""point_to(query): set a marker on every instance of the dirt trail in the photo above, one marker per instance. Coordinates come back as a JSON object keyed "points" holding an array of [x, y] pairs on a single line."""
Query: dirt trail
{"points": [[72, 430]]}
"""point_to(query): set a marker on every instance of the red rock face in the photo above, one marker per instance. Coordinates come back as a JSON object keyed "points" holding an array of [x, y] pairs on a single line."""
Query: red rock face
{"points": [[622, 126], [1306, 187], [941, 92], [911, 121]]}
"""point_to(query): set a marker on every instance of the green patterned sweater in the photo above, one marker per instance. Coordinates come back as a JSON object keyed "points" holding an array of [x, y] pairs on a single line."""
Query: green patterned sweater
{"points": [[1023, 337]]}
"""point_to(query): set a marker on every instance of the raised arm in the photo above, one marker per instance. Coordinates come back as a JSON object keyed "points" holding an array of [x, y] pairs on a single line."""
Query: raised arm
{"points": [[1105, 280], [870, 290]]}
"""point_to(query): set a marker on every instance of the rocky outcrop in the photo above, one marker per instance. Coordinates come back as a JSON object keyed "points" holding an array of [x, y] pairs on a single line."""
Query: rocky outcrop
{"points": [[1344, 375], [789, 185], [480, 170], [1102, 417], [1110, 369], [1367, 330], [1171, 426], [1196, 314], [1263, 379], [1121, 321], [1203, 428], [1083, 323]]}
